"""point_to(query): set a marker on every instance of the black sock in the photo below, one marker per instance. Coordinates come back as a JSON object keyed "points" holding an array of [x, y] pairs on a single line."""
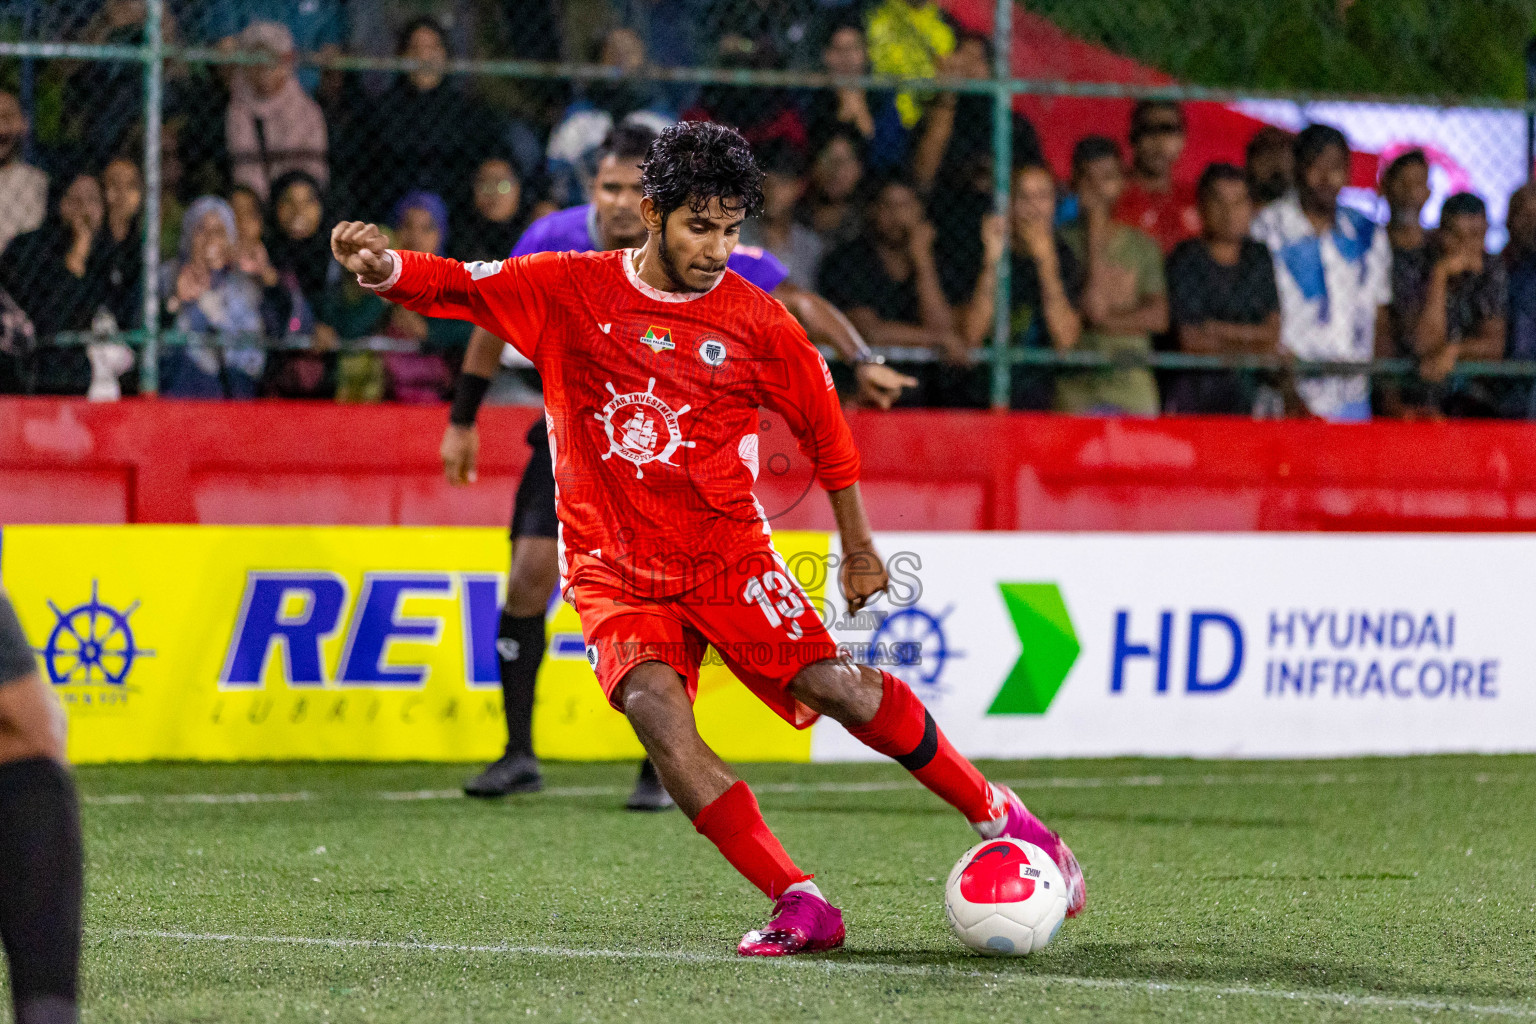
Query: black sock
{"points": [[520, 648], [41, 867], [648, 773]]}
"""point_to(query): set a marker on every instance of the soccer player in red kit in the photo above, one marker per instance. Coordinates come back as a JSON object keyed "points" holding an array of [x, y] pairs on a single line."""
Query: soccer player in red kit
{"points": [[655, 362]]}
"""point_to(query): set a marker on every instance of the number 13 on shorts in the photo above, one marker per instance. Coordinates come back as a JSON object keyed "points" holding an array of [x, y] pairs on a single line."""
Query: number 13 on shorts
{"points": [[779, 598]]}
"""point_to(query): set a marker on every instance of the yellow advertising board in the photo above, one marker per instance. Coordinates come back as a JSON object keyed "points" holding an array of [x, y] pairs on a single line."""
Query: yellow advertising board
{"points": [[319, 643]]}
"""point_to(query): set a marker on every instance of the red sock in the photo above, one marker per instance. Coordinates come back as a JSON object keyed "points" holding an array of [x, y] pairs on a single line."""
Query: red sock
{"points": [[734, 824], [903, 729]]}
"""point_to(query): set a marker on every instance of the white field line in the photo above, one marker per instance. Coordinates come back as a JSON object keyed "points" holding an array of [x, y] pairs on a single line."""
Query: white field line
{"points": [[1061, 782], [114, 799], [832, 965]]}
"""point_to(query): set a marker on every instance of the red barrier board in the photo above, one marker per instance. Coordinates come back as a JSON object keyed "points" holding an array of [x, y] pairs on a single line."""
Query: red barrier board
{"points": [[162, 461]]}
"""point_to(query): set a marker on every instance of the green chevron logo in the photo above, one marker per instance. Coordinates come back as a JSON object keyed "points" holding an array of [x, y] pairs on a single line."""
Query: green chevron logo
{"points": [[1050, 648]]}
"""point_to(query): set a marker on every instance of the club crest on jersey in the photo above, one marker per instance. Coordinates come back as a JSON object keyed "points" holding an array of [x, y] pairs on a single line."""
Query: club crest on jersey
{"points": [[641, 428], [712, 351], [658, 338]]}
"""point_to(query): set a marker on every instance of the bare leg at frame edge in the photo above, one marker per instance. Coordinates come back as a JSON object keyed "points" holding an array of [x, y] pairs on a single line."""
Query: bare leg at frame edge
{"points": [[41, 862]]}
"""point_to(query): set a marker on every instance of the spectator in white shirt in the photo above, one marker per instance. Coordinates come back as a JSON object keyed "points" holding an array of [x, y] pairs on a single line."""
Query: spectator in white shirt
{"points": [[23, 188], [1333, 266]]}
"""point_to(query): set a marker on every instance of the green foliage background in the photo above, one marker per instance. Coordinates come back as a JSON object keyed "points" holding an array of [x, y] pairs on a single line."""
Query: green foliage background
{"points": [[1472, 48]]}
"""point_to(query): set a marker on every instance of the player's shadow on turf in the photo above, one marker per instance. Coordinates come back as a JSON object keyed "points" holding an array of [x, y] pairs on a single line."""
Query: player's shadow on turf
{"points": [[832, 807], [1372, 876], [1119, 818], [1209, 963], [1182, 820], [1237, 964]]}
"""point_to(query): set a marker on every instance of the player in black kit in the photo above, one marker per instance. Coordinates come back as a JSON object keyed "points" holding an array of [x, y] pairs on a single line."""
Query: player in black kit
{"points": [[41, 865]]}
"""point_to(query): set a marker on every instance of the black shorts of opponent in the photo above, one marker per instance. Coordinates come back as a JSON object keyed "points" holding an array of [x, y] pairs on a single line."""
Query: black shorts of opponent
{"points": [[533, 511], [16, 659]]}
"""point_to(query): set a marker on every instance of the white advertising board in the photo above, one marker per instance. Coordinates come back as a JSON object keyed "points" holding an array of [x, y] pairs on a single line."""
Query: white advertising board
{"points": [[1282, 645]]}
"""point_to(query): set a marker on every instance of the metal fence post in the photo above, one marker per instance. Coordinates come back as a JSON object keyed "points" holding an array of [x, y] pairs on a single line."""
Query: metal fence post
{"points": [[149, 358], [1002, 185], [29, 78], [1530, 111]]}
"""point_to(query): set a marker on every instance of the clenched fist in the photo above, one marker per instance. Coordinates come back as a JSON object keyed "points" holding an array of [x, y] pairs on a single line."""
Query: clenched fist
{"points": [[362, 249], [861, 576], [460, 448]]}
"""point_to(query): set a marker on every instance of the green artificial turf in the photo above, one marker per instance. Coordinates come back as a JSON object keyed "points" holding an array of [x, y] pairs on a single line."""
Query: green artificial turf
{"points": [[1340, 890]]}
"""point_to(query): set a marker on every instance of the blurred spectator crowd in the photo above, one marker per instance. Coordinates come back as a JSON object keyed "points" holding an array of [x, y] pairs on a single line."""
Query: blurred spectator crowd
{"points": [[880, 200]]}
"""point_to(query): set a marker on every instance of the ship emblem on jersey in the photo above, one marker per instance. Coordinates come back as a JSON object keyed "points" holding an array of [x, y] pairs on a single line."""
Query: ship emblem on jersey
{"points": [[641, 428], [658, 338]]}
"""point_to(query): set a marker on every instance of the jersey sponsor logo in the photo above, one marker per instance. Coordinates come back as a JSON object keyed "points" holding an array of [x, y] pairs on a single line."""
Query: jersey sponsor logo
{"points": [[641, 428], [659, 339], [712, 351]]}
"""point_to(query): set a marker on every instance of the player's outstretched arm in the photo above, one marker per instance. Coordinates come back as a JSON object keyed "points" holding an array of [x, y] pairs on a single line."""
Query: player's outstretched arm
{"points": [[508, 301], [862, 574], [509, 298]]}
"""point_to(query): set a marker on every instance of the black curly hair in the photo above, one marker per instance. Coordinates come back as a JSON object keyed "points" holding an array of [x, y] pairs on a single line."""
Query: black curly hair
{"points": [[694, 162], [1316, 139]]}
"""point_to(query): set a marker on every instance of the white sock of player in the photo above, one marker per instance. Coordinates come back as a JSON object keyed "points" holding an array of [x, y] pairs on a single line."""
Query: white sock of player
{"points": [[806, 886], [993, 827]]}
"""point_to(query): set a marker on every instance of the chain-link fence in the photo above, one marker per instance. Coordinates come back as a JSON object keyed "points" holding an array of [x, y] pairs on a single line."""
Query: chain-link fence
{"points": [[1041, 225]]}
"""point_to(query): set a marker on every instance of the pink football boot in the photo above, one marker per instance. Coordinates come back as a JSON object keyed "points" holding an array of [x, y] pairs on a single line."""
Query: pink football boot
{"points": [[1022, 824], [802, 922]]}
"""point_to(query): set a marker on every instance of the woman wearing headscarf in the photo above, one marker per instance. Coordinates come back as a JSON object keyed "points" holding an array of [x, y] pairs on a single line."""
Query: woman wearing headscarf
{"points": [[298, 245], [55, 274], [81, 271], [496, 215], [119, 259], [121, 242], [421, 352], [272, 126], [421, 224], [205, 293], [297, 234], [427, 131]]}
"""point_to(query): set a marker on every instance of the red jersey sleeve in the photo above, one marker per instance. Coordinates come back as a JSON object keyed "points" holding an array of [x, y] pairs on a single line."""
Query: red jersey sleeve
{"points": [[807, 400], [509, 298]]}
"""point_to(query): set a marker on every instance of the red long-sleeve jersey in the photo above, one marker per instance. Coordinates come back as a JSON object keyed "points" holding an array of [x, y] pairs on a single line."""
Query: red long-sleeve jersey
{"points": [[651, 401]]}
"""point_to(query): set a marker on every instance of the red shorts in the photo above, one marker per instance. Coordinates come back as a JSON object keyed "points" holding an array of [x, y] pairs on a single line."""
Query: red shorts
{"points": [[753, 613]]}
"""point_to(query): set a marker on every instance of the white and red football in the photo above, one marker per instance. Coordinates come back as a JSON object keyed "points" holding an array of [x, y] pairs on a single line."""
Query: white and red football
{"points": [[1005, 897]]}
